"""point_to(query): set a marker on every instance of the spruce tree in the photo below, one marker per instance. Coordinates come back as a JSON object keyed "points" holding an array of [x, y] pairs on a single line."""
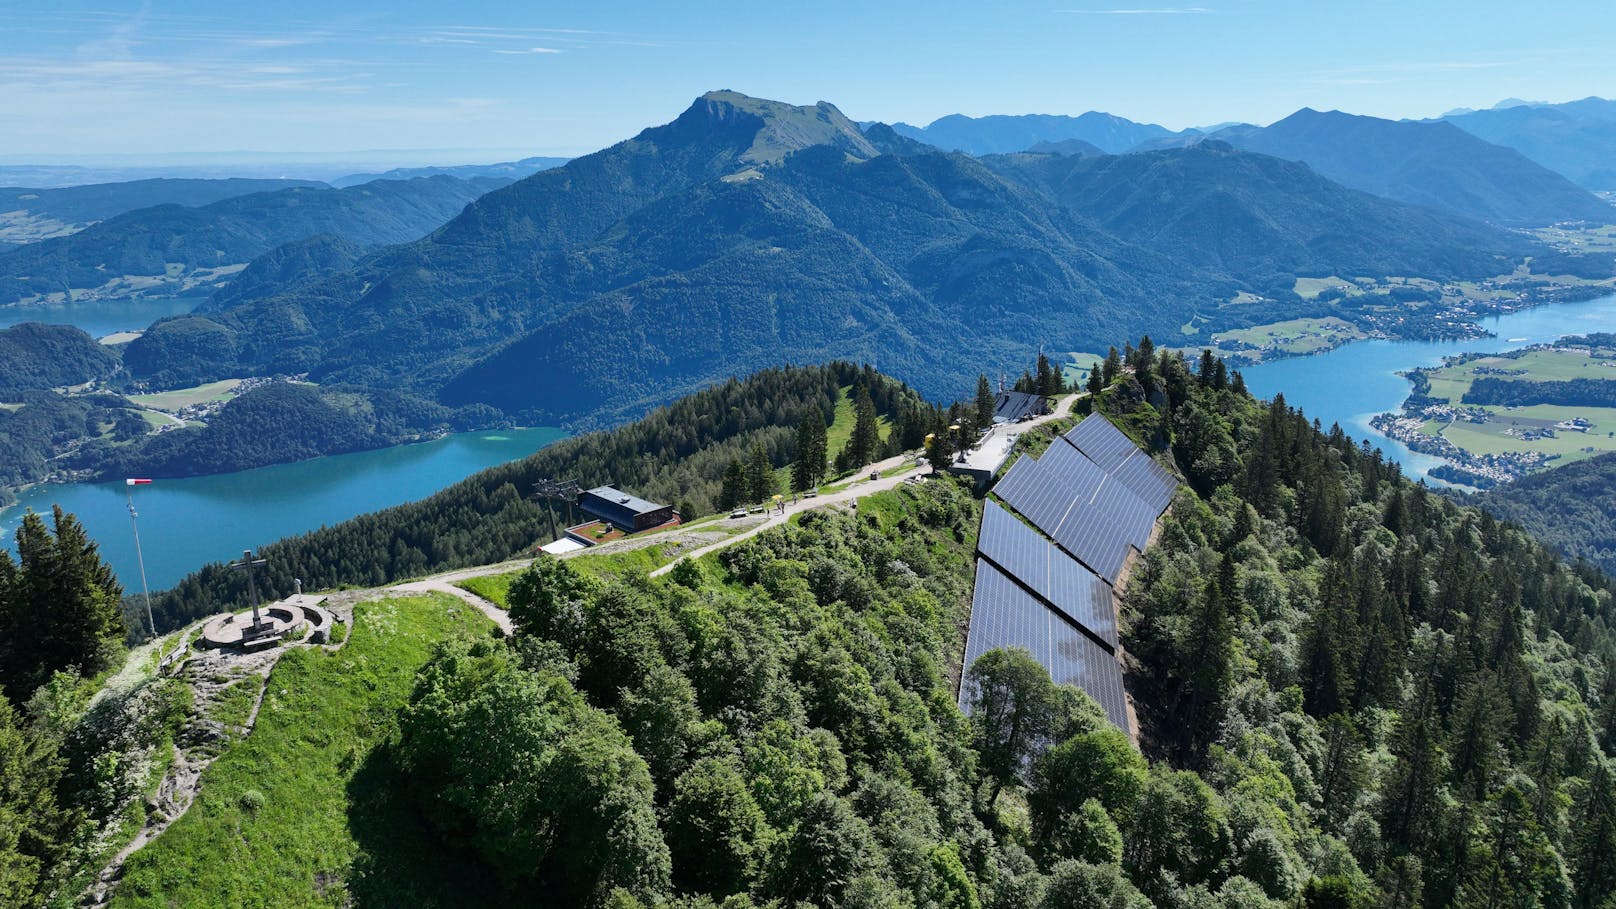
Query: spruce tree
{"points": [[985, 402], [1593, 850], [61, 606], [1096, 379], [809, 464], [734, 491], [1112, 367], [760, 479], [866, 439]]}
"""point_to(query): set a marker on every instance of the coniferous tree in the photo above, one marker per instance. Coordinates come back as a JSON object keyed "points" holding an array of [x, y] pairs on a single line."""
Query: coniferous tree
{"points": [[985, 402], [809, 465], [30, 821], [1593, 850], [734, 491], [1112, 367], [760, 479], [1204, 370], [1096, 378], [60, 606], [865, 441]]}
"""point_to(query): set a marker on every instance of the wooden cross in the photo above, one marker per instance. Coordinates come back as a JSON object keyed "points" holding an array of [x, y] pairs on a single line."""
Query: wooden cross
{"points": [[247, 564]]}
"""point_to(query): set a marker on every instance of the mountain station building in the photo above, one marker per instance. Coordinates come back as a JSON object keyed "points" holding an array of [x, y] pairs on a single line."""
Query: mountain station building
{"points": [[628, 513]]}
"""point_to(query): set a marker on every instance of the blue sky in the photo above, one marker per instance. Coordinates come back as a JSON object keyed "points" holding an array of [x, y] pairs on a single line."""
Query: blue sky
{"points": [[478, 80]]}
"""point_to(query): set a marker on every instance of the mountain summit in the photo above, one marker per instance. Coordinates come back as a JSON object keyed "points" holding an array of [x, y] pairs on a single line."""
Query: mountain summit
{"points": [[748, 233]]}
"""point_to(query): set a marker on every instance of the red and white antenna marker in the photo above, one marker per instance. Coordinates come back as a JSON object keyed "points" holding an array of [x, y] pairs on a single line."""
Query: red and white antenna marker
{"points": [[129, 490]]}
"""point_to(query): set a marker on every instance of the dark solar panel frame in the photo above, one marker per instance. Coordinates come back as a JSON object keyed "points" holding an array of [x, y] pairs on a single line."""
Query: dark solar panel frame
{"points": [[1102, 442], [1095, 543], [1131, 516], [1149, 481], [1078, 593], [1005, 615]]}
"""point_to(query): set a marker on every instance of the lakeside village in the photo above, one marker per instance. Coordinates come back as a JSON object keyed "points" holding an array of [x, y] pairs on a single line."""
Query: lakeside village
{"points": [[1483, 471]]}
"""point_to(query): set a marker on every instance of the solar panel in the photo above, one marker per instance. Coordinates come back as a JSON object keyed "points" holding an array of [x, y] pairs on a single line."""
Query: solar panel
{"points": [[1030, 490], [1131, 517], [1079, 594], [1005, 615], [1103, 443], [1095, 543], [1149, 481]]}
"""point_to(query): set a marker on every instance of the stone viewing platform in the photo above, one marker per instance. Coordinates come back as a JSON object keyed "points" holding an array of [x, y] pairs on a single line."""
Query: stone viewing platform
{"points": [[279, 620]]}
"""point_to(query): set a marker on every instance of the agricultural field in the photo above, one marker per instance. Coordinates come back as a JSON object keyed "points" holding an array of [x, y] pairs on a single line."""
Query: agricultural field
{"points": [[180, 398], [1519, 429], [1293, 337], [1309, 288]]}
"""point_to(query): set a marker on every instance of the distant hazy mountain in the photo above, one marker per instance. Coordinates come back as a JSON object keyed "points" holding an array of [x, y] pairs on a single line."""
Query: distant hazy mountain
{"points": [[1576, 139], [1243, 215], [1066, 147], [1434, 164], [1001, 134], [508, 170], [749, 233], [162, 248], [34, 214]]}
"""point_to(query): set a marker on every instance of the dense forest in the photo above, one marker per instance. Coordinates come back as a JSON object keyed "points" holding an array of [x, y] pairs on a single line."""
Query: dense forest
{"points": [[1525, 392], [1572, 508], [39, 357], [1352, 692], [275, 423], [677, 454]]}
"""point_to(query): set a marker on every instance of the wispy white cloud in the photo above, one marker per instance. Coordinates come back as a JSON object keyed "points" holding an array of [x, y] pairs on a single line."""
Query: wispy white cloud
{"points": [[531, 50], [1141, 11]]}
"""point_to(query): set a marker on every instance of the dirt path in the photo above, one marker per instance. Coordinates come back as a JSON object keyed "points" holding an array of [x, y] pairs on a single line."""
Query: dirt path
{"points": [[443, 583], [855, 490]]}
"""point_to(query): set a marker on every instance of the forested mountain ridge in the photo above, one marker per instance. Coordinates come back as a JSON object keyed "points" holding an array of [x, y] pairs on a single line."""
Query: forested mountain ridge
{"points": [[1434, 164], [33, 214], [676, 454], [1572, 508], [38, 357], [1576, 139], [1353, 692], [143, 248], [1004, 134], [747, 233]]}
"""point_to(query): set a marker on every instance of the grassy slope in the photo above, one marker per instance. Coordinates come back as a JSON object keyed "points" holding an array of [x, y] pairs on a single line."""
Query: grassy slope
{"points": [[331, 830]]}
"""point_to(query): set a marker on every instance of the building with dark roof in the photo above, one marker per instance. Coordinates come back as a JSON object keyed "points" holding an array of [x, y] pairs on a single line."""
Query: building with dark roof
{"points": [[626, 512], [1015, 406]]}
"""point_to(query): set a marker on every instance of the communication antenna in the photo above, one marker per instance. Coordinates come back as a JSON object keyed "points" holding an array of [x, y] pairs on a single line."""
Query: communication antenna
{"points": [[129, 490]]}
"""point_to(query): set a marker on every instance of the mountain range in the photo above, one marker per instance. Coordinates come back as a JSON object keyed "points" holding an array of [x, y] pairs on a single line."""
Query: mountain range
{"points": [[1577, 139], [1001, 134], [34, 214], [748, 232], [171, 247], [1413, 161], [1434, 164]]}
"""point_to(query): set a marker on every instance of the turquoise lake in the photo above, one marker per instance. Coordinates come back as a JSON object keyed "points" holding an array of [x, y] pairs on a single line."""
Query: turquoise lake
{"points": [[1352, 383], [185, 524], [102, 318]]}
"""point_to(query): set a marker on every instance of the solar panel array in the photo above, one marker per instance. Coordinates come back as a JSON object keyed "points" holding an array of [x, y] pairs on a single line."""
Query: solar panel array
{"points": [[1106, 446], [1097, 495], [1091, 515], [1005, 615], [1055, 577]]}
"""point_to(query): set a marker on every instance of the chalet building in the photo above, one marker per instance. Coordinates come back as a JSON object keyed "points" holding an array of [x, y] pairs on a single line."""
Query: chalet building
{"points": [[627, 513]]}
